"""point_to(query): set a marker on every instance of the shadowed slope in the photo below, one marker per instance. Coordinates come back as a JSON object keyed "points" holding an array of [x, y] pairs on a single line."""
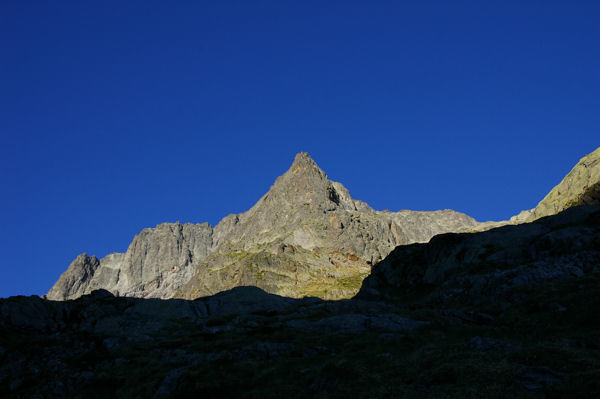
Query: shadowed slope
{"points": [[508, 312], [492, 265]]}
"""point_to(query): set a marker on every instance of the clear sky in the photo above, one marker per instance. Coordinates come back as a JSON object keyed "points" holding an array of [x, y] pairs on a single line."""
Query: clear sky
{"points": [[120, 115]]}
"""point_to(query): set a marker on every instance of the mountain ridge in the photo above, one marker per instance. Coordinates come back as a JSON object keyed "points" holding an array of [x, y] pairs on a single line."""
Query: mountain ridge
{"points": [[581, 186], [507, 312], [511, 311], [304, 217], [305, 237]]}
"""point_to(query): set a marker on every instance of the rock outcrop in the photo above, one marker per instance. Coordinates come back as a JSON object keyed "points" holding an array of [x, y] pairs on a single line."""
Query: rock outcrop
{"points": [[75, 281], [493, 265], [305, 237], [308, 237], [506, 312], [158, 261], [581, 186]]}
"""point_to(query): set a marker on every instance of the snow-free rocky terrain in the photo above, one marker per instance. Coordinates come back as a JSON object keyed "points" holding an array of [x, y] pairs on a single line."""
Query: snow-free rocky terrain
{"points": [[507, 312], [305, 237]]}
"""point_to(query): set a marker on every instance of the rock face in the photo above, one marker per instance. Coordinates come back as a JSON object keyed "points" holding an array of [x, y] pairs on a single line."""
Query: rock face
{"points": [[421, 226], [306, 236], [507, 312], [157, 260], [512, 311], [495, 264], [75, 281], [580, 187]]}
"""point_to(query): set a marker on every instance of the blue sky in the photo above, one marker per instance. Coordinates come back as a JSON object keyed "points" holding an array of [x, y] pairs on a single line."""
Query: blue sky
{"points": [[115, 116]]}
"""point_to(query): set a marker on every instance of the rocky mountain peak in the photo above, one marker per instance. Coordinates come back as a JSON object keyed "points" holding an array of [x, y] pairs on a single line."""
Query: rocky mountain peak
{"points": [[305, 237], [304, 168], [303, 163], [304, 183]]}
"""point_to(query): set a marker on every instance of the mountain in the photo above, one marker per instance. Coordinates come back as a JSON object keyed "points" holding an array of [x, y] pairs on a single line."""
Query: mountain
{"points": [[495, 265], [305, 237], [308, 237], [507, 312], [581, 186], [156, 259], [510, 312]]}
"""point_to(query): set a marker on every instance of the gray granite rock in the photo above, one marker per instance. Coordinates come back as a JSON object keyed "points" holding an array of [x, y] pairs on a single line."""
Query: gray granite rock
{"points": [[305, 237], [581, 186], [75, 280], [157, 262], [308, 237]]}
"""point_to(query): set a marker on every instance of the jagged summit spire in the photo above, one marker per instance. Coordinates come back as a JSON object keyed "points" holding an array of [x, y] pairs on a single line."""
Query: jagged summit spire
{"points": [[302, 180], [304, 164], [303, 158]]}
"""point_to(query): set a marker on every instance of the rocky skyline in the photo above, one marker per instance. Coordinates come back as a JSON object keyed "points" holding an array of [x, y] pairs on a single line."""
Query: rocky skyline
{"points": [[306, 237], [266, 200], [511, 311]]}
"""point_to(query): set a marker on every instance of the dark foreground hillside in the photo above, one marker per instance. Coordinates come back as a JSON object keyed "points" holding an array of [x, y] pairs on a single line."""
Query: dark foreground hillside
{"points": [[512, 312]]}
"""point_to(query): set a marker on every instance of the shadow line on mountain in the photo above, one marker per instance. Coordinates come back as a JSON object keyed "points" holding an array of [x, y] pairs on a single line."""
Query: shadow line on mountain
{"points": [[466, 268]]}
